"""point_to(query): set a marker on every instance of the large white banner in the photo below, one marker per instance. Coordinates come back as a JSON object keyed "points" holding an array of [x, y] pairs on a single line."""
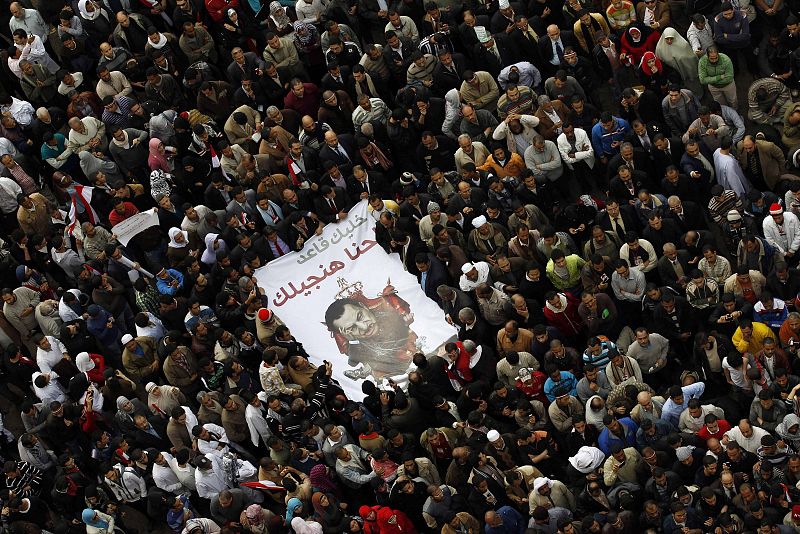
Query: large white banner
{"points": [[351, 303], [135, 225]]}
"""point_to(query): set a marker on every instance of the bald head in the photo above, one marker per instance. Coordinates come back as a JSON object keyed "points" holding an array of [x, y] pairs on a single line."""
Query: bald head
{"points": [[491, 518]]}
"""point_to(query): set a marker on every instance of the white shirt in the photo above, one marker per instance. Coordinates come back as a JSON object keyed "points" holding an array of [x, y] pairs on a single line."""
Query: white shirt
{"points": [[555, 60], [35, 53], [9, 189], [154, 328], [209, 448], [737, 377], [211, 481], [750, 444], [649, 17], [21, 110], [165, 478], [185, 474], [581, 141], [47, 359], [64, 89], [256, 422]]}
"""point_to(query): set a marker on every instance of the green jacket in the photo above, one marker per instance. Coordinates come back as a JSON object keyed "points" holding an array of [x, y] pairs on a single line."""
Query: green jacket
{"points": [[574, 265], [718, 74]]}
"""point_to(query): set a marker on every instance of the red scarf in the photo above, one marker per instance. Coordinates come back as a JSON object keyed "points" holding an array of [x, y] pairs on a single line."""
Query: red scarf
{"points": [[646, 68]]}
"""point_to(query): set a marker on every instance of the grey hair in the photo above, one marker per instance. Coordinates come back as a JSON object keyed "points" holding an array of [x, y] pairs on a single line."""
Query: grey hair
{"points": [[466, 314], [443, 291]]}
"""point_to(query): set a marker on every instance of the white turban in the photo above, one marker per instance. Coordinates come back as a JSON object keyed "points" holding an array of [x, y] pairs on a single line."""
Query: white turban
{"points": [[587, 459], [541, 481]]}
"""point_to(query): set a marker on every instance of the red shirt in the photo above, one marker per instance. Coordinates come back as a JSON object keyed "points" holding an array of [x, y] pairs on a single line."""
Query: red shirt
{"points": [[217, 8], [705, 435], [308, 105], [116, 218]]}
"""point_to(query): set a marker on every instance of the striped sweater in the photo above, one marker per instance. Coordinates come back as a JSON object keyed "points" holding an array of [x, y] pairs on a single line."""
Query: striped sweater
{"points": [[721, 205], [621, 18], [425, 72]]}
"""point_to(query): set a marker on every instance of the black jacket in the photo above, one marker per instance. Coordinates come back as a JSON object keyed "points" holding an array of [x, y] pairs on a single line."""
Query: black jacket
{"points": [[444, 79], [436, 276]]}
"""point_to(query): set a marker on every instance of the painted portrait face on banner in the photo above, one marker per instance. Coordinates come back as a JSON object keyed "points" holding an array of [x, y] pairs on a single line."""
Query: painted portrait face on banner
{"points": [[344, 295], [373, 332]]}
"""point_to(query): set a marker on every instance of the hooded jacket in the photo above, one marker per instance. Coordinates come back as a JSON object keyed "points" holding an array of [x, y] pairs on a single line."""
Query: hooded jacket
{"points": [[565, 319], [402, 524]]}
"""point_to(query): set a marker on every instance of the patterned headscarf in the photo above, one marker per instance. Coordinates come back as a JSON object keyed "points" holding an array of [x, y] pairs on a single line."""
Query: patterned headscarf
{"points": [[304, 33]]}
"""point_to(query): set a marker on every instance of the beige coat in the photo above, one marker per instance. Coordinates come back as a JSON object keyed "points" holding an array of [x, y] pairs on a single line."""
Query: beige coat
{"points": [[559, 496], [138, 367], [561, 421], [773, 163], [285, 56], [733, 286], [241, 134], [478, 156], [484, 96], [37, 220]]}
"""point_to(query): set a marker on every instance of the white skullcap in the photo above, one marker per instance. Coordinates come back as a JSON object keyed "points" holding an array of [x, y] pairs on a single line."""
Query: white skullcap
{"points": [[479, 221]]}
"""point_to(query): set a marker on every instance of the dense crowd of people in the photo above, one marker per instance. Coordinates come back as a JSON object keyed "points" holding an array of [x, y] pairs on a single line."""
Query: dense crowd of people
{"points": [[581, 187]]}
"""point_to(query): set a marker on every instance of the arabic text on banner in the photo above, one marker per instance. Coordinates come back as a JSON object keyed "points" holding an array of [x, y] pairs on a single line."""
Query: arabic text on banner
{"points": [[350, 303], [134, 225]]}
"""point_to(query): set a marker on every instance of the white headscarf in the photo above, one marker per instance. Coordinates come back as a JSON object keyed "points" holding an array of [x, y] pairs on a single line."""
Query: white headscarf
{"points": [[301, 526], [540, 482], [84, 363], [587, 459], [85, 13], [209, 256], [680, 56], [452, 109], [782, 430], [173, 232]]}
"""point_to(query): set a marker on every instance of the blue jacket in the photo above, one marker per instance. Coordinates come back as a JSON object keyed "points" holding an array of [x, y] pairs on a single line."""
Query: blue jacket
{"points": [[601, 140], [607, 439], [737, 30], [98, 327], [773, 318], [513, 523], [568, 381], [692, 521], [163, 285]]}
